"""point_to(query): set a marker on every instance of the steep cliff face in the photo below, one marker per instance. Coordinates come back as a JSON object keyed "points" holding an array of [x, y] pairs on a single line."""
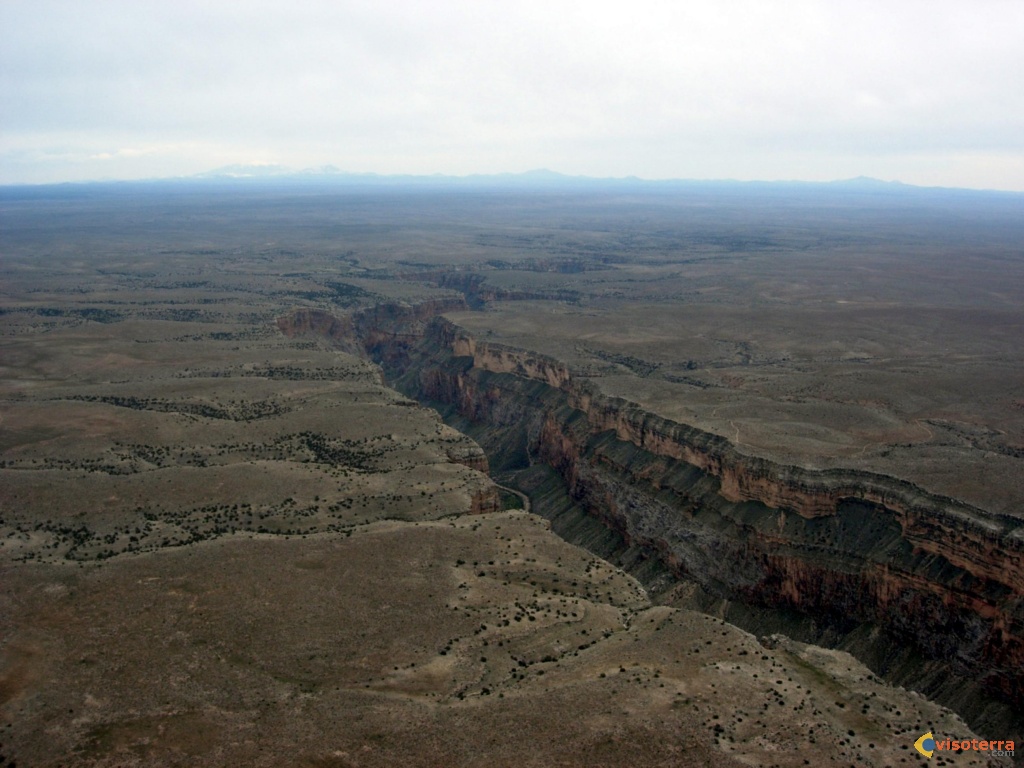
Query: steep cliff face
{"points": [[341, 330], [942, 582], [381, 330], [484, 501]]}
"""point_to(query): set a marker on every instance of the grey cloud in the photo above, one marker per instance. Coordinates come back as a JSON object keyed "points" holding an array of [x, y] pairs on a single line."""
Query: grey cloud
{"points": [[467, 86]]}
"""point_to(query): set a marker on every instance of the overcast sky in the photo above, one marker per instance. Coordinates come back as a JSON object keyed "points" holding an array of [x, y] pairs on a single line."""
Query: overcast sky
{"points": [[928, 92]]}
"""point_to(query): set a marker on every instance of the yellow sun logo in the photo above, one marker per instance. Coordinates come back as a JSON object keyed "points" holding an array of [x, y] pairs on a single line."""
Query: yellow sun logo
{"points": [[925, 745]]}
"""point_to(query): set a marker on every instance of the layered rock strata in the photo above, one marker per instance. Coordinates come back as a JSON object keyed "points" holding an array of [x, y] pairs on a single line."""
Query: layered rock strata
{"points": [[926, 588]]}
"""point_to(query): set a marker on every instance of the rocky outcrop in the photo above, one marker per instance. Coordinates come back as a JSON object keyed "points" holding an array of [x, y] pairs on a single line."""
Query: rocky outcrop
{"points": [[498, 358], [382, 330], [485, 500], [469, 455], [940, 582], [306, 322]]}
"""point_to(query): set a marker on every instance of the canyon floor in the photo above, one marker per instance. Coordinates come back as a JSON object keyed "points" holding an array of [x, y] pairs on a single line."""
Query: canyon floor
{"points": [[224, 545]]}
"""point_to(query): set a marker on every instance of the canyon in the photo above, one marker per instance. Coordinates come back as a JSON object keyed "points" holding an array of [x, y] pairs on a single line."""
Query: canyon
{"points": [[712, 475], [928, 590]]}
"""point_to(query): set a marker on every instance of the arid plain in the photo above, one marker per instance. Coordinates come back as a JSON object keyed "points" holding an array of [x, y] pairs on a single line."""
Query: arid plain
{"points": [[226, 539]]}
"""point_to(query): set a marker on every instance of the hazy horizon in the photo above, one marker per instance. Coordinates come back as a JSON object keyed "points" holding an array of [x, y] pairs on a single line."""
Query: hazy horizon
{"points": [[326, 173], [924, 93]]}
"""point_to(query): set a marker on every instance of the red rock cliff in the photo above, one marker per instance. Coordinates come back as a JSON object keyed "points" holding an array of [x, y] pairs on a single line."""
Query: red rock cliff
{"points": [[846, 547]]}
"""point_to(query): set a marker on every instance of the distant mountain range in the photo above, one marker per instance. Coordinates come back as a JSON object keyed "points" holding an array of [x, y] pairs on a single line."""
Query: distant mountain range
{"points": [[329, 176], [548, 179], [266, 170], [536, 176], [273, 171]]}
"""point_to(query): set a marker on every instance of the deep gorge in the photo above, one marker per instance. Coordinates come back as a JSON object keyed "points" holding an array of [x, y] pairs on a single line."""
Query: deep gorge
{"points": [[927, 590]]}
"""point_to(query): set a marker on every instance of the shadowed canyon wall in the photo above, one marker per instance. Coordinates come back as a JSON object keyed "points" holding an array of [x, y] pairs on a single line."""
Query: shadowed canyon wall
{"points": [[927, 590]]}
